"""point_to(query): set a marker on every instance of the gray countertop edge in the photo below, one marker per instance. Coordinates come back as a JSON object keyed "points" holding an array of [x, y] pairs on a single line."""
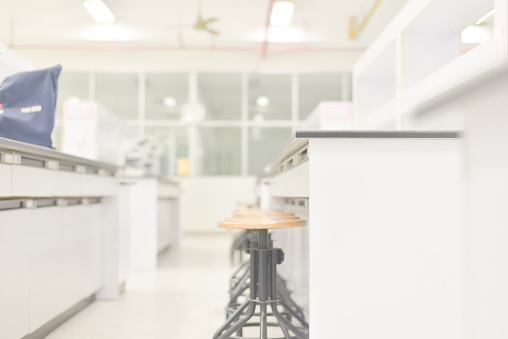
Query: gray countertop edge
{"points": [[316, 134], [50, 154], [300, 138]]}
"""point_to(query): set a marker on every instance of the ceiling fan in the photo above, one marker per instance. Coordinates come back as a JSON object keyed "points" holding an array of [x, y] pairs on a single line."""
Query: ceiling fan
{"points": [[201, 24]]}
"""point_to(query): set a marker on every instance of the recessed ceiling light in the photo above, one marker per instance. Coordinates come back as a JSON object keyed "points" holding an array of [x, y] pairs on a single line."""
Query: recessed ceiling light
{"points": [[262, 101], [99, 11], [282, 12], [169, 102]]}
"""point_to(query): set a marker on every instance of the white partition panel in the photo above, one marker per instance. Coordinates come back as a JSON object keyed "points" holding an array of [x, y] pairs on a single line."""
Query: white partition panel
{"points": [[385, 240], [15, 274]]}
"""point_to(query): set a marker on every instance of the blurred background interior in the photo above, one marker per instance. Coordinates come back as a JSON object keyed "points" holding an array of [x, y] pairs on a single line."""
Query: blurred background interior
{"points": [[172, 115]]}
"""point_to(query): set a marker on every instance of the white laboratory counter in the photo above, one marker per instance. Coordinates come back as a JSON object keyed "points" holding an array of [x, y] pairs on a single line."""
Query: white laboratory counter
{"points": [[384, 232], [56, 230], [151, 209]]}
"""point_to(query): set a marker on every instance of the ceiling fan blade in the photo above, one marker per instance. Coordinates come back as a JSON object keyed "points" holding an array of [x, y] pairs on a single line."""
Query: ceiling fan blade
{"points": [[207, 21]]}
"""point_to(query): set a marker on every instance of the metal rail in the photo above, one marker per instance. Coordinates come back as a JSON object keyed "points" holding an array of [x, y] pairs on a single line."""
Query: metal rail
{"points": [[20, 153]]}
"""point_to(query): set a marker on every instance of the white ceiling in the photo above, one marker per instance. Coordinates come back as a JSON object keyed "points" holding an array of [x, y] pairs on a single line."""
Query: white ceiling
{"points": [[316, 23]]}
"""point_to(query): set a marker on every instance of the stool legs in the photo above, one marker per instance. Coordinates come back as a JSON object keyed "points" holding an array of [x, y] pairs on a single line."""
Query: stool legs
{"points": [[263, 292]]}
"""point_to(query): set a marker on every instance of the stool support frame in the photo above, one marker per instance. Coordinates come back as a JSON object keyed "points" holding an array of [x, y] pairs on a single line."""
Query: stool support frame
{"points": [[263, 292]]}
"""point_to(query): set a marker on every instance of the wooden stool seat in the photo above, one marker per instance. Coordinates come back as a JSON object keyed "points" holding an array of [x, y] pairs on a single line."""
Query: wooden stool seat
{"points": [[262, 224]]}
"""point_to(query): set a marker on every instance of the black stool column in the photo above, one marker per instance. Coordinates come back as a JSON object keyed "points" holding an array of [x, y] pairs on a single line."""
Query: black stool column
{"points": [[263, 241]]}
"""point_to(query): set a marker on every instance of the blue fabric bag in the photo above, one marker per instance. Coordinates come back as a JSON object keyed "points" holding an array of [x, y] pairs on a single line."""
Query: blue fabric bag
{"points": [[27, 106]]}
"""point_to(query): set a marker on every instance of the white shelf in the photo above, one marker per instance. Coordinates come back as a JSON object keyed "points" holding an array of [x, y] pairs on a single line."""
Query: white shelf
{"points": [[479, 60], [417, 57], [377, 84]]}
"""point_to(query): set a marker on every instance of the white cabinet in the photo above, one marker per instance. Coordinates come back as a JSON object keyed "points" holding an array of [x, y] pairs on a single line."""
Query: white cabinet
{"points": [[5, 180], [75, 243], [50, 259], [65, 184], [385, 239], [93, 250], [95, 186], [163, 224], [384, 242], [32, 181], [46, 285], [15, 274]]}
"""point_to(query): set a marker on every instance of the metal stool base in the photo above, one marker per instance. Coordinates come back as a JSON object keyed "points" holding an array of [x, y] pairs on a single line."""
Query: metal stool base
{"points": [[263, 293]]}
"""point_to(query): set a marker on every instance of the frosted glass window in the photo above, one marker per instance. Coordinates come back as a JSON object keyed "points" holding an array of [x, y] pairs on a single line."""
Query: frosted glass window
{"points": [[165, 93], [118, 93], [265, 143], [220, 149], [269, 97], [314, 88], [221, 94], [71, 85]]}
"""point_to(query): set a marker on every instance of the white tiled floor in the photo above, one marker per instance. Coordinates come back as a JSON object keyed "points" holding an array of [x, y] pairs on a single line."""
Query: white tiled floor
{"points": [[183, 299]]}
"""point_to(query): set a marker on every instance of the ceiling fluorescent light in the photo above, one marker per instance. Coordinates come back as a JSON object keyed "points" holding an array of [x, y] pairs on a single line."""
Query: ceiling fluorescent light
{"points": [[99, 11], [282, 12], [485, 17]]}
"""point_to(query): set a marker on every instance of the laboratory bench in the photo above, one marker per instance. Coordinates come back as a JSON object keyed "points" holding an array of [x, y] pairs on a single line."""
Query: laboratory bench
{"points": [[381, 256], [66, 234]]}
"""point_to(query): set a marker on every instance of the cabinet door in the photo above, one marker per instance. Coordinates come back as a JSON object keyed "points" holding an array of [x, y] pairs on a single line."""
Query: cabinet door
{"points": [[5, 180], [75, 242], [32, 182], [45, 229], [94, 262], [15, 274]]}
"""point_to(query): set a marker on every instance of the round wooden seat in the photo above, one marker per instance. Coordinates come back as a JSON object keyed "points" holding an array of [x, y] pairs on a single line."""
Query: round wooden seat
{"points": [[262, 224]]}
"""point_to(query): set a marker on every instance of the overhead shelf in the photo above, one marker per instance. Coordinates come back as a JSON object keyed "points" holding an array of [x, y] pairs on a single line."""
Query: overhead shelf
{"points": [[418, 56]]}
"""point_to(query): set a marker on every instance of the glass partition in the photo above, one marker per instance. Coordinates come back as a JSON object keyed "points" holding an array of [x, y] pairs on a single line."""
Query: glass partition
{"points": [[264, 145], [221, 94], [165, 93], [219, 150], [314, 88], [269, 97], [118, 93]]}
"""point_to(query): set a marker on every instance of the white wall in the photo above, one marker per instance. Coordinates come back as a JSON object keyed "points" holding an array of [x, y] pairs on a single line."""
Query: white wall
{"points": [[210, 199]]}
